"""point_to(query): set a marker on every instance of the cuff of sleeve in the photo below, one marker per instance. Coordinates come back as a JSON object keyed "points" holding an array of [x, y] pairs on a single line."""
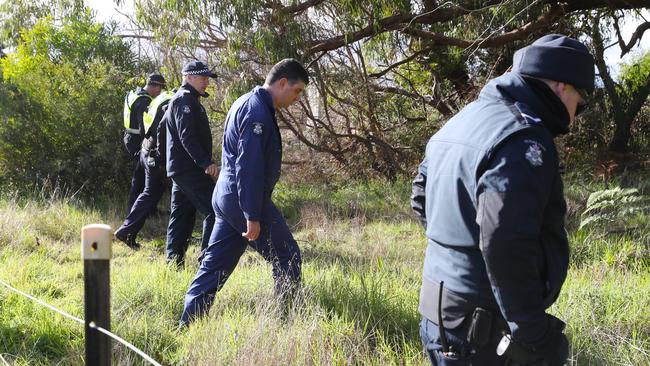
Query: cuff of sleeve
{"points": [[205, 164], [529, 332], [251, 217]]}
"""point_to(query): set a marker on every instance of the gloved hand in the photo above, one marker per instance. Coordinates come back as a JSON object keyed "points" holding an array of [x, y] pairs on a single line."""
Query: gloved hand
{"points": [[551, 350], [153, 159], [554, 348]]}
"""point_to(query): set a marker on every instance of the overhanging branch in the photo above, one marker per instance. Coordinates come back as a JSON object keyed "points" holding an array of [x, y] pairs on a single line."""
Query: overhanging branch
{"points": [[636, 36]]}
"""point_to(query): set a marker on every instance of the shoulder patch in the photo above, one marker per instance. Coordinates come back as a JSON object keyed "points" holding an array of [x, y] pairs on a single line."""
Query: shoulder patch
{"points": [[258, 128], [534, 153], [186, 109]]}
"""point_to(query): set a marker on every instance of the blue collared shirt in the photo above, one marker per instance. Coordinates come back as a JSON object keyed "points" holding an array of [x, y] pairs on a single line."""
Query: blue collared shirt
{"points": [[251, 154]]}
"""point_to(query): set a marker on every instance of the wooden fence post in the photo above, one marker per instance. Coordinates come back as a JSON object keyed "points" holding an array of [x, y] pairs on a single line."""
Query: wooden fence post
{"points": [[96, 253]]}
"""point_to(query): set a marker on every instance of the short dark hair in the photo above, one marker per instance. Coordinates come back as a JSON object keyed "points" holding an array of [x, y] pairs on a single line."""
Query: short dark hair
{"points": [[289, 68]]}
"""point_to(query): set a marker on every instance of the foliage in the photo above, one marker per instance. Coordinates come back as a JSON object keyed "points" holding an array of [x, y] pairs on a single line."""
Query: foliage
{"points": [[18, 15], [613, 208], [63, 87]]}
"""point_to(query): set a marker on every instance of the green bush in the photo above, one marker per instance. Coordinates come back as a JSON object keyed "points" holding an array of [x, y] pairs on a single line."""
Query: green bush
{"points": [[61, 91]]}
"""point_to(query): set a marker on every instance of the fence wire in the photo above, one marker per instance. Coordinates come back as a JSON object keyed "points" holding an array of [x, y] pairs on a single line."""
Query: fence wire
{"points": [[81, 321], [4, 362]]}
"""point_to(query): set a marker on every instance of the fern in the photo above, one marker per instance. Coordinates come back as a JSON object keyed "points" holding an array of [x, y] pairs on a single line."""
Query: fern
{"points": [[612, 207]]}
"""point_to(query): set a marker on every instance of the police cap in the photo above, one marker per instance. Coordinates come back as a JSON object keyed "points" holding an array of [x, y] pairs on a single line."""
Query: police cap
{"points": [[156, 79], [198, 68]]}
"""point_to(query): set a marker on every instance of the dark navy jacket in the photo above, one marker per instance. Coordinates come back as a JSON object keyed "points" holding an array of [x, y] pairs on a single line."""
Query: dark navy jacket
{"points": [[490, 194], [189, 139], [251, 154]]}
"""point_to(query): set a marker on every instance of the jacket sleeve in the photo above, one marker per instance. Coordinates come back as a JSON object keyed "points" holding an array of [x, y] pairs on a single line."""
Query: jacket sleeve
{"points": [[512, 195], [137, 113], [185, 114], [250, 165], [418, 198]]}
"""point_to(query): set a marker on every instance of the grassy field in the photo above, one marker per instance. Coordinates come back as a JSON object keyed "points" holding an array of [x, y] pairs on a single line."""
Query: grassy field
{"points": [[362, 262]]}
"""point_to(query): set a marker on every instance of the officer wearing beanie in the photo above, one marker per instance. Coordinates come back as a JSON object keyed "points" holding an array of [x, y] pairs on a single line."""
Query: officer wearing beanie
{"points": [[135, 105], [189, 161], [489, 193]]}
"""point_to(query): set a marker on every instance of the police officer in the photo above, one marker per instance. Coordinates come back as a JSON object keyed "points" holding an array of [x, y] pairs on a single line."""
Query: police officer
{"points": [[135, 105], [490, 195], [189, 161], [250, 167], [154, 173]]}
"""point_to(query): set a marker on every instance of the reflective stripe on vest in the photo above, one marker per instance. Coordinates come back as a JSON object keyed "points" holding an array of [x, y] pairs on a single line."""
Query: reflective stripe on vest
{"points": [[128, 104], [150, 114]]}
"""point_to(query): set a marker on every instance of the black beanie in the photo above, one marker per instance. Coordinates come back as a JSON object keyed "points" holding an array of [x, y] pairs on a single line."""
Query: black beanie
{"points": [[557, 57]]}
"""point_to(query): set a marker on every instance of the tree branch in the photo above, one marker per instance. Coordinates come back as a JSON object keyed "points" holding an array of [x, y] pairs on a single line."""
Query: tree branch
{"points": [[636, 36], [610, 85], [398, 63], [398, 21], [491, 42], [292, 9], [440, 14]]}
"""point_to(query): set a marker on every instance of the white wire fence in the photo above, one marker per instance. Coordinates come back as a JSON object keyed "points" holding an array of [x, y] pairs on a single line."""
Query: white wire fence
{"points": [[81, 321]]}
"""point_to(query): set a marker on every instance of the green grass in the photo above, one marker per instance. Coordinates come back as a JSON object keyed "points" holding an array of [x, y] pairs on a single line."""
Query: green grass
{"points": [[362, 271]]}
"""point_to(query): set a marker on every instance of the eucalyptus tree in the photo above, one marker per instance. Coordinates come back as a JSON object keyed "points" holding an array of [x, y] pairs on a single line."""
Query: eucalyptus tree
{"points": [[386, 73]]}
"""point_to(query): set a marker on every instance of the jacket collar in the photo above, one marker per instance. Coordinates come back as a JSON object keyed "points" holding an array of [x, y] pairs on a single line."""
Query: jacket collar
{"points": [[533, 93], [265, 96], [193, 91]]}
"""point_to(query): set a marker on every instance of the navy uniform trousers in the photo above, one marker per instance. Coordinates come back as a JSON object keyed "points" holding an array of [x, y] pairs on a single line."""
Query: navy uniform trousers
{"points": [[137, 182], [275, 244], [191, 191], [144, 205]]}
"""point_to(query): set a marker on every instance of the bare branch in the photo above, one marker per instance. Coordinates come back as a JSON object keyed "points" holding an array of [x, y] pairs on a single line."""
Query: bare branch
{"points": [[636, 36], [398, 63]]}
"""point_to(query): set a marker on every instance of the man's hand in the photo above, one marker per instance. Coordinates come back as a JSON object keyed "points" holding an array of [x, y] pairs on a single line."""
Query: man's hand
{"points": [[252, 230], [212, 170]]}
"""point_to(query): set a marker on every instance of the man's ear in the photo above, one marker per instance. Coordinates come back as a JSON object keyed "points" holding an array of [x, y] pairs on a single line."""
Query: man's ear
{"points": [[282, 83]]}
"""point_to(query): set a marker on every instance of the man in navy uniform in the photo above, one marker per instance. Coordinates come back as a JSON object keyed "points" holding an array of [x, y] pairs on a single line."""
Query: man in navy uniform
{"points": [[154, 173], [135, 105], [490, 195], [250, 167], [189, 161]]}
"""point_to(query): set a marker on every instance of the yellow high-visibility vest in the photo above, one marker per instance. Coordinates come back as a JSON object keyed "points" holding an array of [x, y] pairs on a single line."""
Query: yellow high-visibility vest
{"points": [[128, 104], [156, 103]]}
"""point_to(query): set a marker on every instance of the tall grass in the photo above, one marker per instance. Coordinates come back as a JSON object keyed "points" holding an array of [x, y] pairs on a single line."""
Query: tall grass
{"points": [[362, 270]]}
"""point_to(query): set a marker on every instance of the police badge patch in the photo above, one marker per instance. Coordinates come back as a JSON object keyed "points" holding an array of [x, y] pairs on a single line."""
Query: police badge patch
{"points": [[534, 154], [258, 128], [186, 109]]}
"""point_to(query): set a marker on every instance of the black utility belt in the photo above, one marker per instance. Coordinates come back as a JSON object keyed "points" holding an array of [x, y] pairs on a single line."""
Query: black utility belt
{"points": [[449, 310]]}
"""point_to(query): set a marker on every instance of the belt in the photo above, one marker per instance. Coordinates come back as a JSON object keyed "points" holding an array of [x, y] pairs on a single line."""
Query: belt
{"points": [[482, 321]]}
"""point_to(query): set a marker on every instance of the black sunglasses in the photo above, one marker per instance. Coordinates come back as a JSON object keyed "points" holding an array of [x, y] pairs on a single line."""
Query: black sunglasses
{"points": [[583, 95], [583, 103]]}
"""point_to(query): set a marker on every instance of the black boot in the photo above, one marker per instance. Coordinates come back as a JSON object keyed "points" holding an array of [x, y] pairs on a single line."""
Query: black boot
{"points": [[128, 239]]}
